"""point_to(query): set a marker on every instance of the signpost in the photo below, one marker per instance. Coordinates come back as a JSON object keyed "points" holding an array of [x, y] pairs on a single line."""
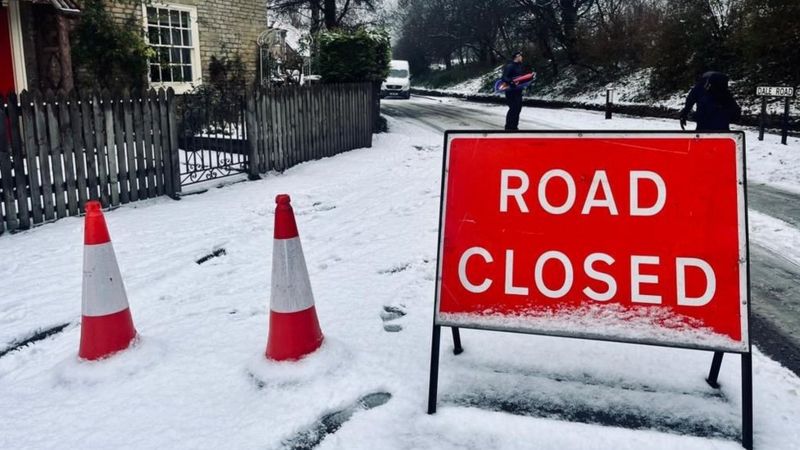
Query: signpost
{"points": [[609, 100], [775, 91], [597, 235]]}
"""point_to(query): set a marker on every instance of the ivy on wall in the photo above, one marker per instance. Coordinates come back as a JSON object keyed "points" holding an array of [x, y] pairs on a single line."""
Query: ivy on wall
{"points": [[108, 54]]}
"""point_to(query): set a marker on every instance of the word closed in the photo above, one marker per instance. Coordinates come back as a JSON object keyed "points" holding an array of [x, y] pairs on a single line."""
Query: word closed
{"points": [[629, 237]]}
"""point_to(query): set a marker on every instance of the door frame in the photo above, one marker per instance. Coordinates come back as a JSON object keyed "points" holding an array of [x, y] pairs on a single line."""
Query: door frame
{"points": [[17, 48]]}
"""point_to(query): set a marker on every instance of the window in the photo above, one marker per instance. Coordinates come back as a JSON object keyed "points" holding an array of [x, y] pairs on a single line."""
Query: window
{"points": [[172, 32], [398, 73]]}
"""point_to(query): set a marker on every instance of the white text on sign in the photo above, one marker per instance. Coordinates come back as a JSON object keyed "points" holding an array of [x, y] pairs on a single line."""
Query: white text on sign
{"points": [[775, 91], [514, 186]]}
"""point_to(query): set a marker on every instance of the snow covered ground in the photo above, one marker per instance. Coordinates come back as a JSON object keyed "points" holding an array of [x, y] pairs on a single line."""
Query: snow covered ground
{"points": [[368, 222], [775, 235]]}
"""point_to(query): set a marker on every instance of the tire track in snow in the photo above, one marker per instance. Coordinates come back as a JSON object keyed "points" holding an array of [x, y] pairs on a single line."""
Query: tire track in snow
{"points": [[590, 400], [330, 423], [36, 336]]}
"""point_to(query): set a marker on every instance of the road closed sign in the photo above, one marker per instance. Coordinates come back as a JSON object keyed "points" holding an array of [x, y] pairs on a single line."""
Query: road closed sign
{"points": [[622, 236]]}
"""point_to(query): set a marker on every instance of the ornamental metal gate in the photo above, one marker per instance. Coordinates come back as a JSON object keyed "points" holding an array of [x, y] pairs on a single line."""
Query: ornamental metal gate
{"points": [[212, 137], [269, 129]]}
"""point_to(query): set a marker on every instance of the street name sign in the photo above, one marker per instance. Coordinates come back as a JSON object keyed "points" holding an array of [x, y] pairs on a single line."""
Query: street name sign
{"points": [[774, 91]]}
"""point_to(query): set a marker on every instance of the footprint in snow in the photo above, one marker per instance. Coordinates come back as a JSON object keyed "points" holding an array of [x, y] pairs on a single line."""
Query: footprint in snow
{"points": [[315, 208], [395, 269], [328, 262], [389, 315], [426, 148], [319, 206], [214, 254]]}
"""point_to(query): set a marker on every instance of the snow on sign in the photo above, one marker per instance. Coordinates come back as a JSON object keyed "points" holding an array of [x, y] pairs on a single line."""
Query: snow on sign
{"points": [[774, 91], [630, 237]]}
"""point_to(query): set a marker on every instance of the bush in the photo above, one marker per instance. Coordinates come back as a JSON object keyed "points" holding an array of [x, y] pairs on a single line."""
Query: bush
{"points": [[215, 106], [361, 55], [113, 56]]}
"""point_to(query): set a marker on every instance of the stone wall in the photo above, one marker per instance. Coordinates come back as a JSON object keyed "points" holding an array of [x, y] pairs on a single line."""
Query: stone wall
{"points": [[224, 27]]}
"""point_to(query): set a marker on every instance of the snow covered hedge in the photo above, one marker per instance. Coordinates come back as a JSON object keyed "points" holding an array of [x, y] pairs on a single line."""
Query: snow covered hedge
{"points": [[361, 55]]}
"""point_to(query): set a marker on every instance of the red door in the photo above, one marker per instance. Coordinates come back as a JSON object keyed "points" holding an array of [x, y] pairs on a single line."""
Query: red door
{"points": [[6, 61]]}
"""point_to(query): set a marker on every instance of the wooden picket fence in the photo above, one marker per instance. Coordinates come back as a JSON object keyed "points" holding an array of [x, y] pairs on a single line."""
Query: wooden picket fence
{"points": [[56, 153], [291, 125]]}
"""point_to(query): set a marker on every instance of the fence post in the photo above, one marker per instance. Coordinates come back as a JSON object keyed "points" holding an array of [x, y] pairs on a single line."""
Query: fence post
{"points": [[18, 155], [376, 106], [48, 201], [68, 144], [111, 146], [368, 131], [31, 151], [252, 137], [7, 185], [163, 114], [173, 150]]}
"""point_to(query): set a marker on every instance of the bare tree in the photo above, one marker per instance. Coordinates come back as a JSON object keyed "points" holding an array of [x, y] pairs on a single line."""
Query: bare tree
{"points": [[330, 14]]}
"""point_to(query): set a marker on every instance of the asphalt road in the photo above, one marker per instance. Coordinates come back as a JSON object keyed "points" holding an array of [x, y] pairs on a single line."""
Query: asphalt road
{"points": [[774, 280]]}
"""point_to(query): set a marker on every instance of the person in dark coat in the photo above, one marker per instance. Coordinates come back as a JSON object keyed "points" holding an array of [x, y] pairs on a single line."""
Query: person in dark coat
{"points": [[716, 107], [514, 94]]}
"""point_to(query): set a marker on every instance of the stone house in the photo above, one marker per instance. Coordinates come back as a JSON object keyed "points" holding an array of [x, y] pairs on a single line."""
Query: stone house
{"points": [[35, 39]]}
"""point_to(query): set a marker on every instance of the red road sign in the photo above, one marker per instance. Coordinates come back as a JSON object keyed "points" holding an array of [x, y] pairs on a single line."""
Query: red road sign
{"points": [[630, 237]]}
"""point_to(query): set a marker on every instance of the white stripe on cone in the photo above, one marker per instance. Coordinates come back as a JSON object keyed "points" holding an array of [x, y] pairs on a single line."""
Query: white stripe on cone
{"points": [[291, 288], [103, 290]]}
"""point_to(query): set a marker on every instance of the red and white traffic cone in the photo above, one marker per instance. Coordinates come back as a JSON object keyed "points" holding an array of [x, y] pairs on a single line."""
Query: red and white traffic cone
{"points": [[293, 326], [106, 323]]}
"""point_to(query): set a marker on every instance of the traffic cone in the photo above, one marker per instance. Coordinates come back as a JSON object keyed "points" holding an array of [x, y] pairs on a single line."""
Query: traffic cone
{"points": [[293, 326], [106, 323]]}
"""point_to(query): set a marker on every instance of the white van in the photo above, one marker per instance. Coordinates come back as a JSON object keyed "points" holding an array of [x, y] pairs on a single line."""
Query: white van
{"points": [[398, 83]]}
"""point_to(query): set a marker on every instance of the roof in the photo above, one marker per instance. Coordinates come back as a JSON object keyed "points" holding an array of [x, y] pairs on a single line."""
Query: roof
{"points": [[62, 6]]}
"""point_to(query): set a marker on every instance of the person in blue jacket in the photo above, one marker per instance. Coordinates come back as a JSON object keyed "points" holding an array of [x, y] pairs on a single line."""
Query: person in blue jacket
{"points": [[716, 107], [514, 94]]}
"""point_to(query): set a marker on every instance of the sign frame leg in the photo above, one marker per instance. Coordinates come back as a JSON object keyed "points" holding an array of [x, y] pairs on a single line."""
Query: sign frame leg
{"points": [[433, 384], [713, 373], [457, 348], [747, 401], [785, 130]]}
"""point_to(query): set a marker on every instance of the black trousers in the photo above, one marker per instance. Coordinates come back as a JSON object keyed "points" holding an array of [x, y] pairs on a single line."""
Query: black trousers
{"points": [[514, 101]]}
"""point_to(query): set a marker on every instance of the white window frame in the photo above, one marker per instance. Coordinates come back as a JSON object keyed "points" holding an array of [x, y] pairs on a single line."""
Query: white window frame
{"points": [[180, 87]]}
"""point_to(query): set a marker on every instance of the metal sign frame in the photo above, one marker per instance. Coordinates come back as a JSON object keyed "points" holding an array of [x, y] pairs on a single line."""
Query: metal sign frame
{"points": [[744, 258], [737, 137]]}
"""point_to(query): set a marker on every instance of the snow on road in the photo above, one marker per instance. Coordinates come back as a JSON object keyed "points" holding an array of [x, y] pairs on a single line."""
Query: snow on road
{"points": [[775, 235], [368, 223], [768, 161]]}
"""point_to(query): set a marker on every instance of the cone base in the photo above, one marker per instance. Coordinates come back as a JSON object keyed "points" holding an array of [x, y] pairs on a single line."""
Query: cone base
{"points": [[103, 335], [293, 335]]}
